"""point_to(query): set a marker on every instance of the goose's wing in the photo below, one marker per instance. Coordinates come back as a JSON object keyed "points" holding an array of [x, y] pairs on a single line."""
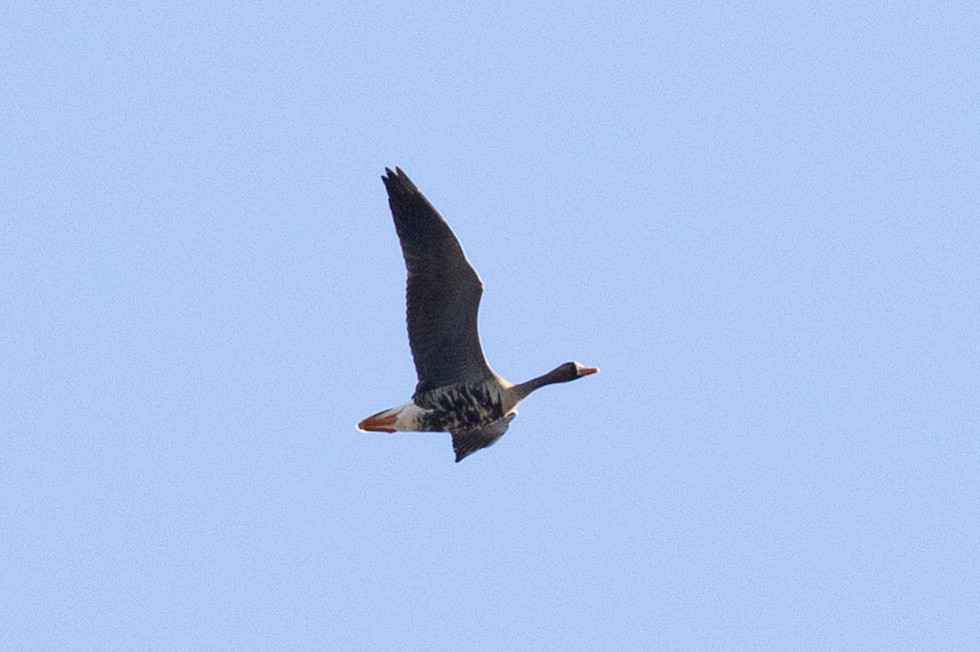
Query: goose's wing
{"points": [[469, 441], [443, 295]]}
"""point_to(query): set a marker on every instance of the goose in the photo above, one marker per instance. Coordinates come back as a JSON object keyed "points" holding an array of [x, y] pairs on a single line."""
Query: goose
{"points": [[457, 391]]}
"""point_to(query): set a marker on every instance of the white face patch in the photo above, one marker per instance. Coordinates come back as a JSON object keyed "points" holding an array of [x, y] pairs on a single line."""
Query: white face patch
{"points": [[582, 370]]}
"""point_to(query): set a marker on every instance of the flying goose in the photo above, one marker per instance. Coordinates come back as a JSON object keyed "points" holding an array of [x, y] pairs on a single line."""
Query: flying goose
{"points": [[456, 391]]}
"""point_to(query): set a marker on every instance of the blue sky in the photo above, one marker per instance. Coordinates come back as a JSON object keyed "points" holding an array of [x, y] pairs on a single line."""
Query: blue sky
{"points": [[760, 221]]}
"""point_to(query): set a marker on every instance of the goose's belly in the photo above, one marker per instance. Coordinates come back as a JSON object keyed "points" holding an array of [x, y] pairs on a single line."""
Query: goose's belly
{"points": [[459, 407]]}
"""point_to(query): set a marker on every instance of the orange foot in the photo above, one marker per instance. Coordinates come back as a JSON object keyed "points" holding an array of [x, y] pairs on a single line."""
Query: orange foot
{"points": [[379, 424]]}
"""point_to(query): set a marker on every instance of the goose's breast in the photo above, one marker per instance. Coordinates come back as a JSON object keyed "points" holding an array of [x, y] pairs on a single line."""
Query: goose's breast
{"points": [[461, 407]]}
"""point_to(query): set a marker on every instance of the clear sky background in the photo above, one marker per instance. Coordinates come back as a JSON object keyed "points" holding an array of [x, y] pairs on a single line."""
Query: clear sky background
{"points": [[760, 221]]}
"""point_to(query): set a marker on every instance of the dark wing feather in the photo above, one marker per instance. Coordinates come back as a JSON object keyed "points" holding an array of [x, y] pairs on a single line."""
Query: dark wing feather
{"points": [[469, 441], [443, 295]]}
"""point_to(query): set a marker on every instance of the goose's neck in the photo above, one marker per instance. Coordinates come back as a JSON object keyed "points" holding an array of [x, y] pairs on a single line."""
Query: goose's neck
{"points": [[520, 391]]}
